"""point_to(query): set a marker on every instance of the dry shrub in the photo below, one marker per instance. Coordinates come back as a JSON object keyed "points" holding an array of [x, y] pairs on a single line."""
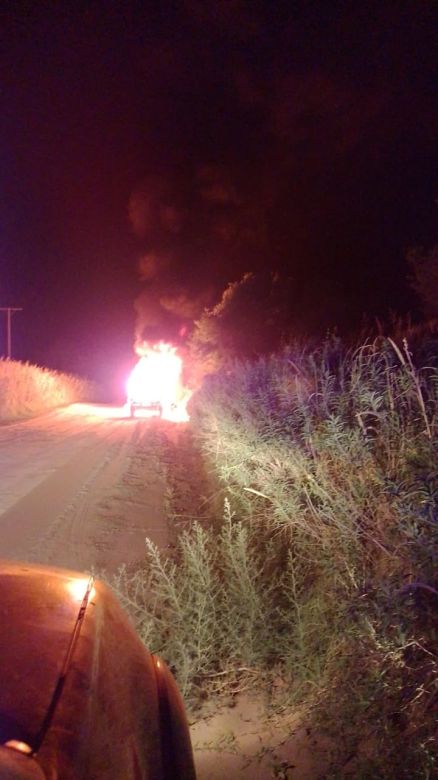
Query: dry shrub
{"points": [[26, 390]]}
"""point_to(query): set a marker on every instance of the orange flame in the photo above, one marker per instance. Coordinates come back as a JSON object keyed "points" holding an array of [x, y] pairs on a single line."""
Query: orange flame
{"points": [[155, 383]]}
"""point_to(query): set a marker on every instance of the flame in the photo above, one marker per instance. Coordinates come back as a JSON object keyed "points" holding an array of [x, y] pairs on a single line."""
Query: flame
{"points": [[155, 384]]}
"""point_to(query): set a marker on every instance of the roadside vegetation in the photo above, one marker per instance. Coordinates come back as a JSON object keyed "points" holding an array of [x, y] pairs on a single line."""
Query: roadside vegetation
{"points": [[323, 570], [26, 390]]}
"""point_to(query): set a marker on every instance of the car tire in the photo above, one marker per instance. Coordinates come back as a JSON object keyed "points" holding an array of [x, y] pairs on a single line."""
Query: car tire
{"points": [[176, 749]]}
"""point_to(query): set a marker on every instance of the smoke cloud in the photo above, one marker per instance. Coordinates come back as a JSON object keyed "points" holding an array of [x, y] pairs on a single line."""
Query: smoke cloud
{"points": [[283, 152], [198, 231]]}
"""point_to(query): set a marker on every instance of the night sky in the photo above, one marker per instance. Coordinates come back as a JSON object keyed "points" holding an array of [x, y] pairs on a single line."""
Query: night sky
{"points": [[154, 152]]}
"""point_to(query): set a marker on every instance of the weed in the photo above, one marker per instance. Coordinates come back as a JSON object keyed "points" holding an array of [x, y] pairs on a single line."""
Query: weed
{"points": [[324, 567], [26, 390]]}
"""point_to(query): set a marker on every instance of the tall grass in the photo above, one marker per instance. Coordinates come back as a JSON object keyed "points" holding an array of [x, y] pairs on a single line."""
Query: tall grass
{"points": [[225, 608], [26, 389], [324, 566]]}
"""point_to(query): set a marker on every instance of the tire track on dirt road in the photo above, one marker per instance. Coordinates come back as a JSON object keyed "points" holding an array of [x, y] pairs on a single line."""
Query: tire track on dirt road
{"points": [[85, 488], [82, 487], [32, 450], [29, 526]]}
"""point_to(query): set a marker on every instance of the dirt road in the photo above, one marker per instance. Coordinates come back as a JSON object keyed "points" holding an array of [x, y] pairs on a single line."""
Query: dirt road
{"points": [[83, 486]]}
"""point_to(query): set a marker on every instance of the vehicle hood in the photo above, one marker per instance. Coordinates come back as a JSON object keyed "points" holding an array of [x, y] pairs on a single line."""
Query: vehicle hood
{"points": [[40, 609]]}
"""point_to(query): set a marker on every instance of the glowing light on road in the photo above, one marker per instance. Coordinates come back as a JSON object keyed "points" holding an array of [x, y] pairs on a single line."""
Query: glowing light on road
{"points": [[103, 411], [155, 384]]}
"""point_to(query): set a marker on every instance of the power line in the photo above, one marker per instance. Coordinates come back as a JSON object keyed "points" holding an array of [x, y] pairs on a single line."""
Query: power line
{"points": [[9, 312]]}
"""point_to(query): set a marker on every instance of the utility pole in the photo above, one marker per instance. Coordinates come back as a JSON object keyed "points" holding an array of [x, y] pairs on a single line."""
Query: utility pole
{"points": [[9, 312]]}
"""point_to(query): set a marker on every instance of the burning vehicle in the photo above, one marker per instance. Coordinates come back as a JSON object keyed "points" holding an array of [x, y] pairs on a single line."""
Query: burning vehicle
{"points": [[81, 698], [155, 383]]}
